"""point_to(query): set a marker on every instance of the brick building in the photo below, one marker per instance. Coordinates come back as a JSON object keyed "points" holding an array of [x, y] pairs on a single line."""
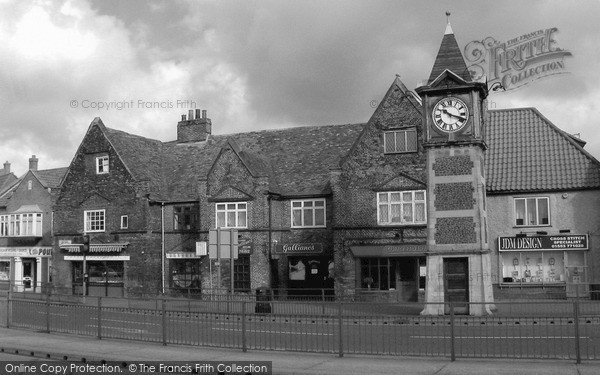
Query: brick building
{"points": [[394, 209], [26, 228]]}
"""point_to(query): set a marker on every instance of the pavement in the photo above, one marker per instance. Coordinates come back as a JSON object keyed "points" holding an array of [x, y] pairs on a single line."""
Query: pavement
{"points": [[35, 345]]}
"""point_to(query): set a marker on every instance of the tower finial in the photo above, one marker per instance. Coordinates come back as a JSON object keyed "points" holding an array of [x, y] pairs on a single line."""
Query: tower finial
{"points": [[448, 27]]}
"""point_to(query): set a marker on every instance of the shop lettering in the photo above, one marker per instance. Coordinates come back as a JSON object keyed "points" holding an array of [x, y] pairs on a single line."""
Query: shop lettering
{"points": [[521, 243], [544, 243], [517, 62], [299, 248]]}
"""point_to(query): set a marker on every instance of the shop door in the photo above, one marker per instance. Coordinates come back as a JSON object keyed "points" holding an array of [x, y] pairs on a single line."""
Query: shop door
{"points": [[456, 285], [407, 279], [29, 276]]}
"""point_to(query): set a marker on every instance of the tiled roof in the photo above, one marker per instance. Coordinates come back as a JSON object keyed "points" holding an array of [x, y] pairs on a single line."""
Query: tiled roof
{"points": [[296, 160], [6, 181], [527, 153], [51, 178], [141, 155]]}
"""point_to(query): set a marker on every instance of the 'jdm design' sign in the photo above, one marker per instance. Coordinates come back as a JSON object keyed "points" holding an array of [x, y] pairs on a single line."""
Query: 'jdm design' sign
{"points": [[517, 62], [568, 242]]}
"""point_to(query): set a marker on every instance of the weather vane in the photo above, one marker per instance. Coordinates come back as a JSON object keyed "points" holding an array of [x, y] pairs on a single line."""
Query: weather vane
{"points": [[447, 16]]}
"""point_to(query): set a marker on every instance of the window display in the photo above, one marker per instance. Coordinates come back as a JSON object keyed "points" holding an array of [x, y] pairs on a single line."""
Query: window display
{"points": [[543, 267]]}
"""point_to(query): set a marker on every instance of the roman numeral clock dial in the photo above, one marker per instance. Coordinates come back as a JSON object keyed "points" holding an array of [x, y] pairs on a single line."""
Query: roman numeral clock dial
{"points": [[450, 115]]}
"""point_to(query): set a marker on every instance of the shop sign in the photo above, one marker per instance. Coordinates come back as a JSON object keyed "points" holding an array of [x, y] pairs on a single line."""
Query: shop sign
{"points": [[245, 246], [95, 248], [183, 255], [26, 251], [518, 61], [299, 248], [79, 258], [562, 242]]}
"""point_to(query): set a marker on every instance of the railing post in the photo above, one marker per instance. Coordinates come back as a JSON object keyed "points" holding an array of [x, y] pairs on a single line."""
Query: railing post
{"points": [[244, 342], [452, 348], [164, 322], [47, 314], [323, 301], [576, 310], [8, 305], [340, 333], [99, 318]]}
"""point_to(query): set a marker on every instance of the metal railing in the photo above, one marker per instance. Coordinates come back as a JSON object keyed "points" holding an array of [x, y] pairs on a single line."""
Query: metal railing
{"points": [[566, 329]]}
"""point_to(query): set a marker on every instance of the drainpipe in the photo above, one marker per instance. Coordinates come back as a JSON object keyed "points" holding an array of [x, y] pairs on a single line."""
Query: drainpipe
{"points": [[162, 244]]}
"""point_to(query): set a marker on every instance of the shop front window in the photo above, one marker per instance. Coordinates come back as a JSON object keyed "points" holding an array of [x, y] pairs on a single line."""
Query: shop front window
{"points": [[241, 272], [186, 274], [4, 271], [378, 273], [544, 267]]}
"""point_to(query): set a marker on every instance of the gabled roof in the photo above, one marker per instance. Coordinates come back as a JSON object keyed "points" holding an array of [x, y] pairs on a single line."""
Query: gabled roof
{"points": [[449, 58], [48, 178], [527, 153]]}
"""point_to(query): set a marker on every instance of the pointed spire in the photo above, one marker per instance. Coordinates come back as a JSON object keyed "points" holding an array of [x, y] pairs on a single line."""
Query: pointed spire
{"points": [[448, 27], [449, 57]]}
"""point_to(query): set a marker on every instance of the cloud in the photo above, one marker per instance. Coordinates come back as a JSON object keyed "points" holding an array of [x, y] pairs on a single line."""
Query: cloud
{"points": [[254, 64]]}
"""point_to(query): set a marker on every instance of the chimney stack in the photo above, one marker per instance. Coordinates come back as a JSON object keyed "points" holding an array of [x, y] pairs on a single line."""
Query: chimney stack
{"points": [[6, 169], [33, 163], [194, 129]]}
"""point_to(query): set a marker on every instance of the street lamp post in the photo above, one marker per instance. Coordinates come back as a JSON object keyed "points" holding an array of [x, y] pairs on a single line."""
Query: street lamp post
{"points": [[85, 248]]}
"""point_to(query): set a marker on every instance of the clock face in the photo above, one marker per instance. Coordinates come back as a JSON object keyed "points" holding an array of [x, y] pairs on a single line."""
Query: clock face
{"points": [[450, 114]]}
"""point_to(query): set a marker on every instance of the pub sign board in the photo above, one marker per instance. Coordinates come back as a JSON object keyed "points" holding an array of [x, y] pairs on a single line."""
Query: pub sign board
{"points": [[299, 248], [545, 242]]}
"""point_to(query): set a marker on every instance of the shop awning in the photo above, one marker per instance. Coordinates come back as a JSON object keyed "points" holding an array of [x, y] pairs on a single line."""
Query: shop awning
{"points": [[95, 248], [380, 251]]}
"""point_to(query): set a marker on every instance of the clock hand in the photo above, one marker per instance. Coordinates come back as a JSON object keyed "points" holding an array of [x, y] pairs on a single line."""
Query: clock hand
{"points": [[453, 115]]}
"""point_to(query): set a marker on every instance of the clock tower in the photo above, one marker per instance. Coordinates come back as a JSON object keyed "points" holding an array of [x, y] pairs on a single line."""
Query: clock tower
{"points": [[458, 260]]}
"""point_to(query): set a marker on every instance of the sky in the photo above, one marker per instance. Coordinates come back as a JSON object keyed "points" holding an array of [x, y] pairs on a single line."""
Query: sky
{"points": [[257, 65]]}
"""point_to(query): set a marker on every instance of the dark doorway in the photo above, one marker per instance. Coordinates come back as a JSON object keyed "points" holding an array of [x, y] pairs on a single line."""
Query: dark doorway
{"points": [[456, 285], [29, 274]]}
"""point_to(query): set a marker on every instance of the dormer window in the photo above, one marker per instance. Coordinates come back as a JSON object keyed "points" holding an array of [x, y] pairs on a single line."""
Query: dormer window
{"points": [[400, 141], [102, 164]]}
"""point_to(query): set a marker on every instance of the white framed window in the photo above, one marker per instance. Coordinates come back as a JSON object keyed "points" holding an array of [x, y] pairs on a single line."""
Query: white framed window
{"points": [[4, 221], [94, 220], [21, 225], [102, 164], [401, 207], [308, 213], [399, 141], [232, 215], [532, 211], [124, 222]]}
